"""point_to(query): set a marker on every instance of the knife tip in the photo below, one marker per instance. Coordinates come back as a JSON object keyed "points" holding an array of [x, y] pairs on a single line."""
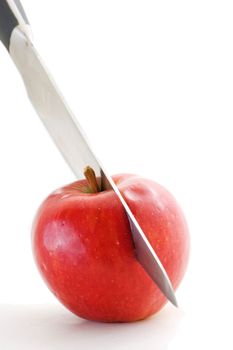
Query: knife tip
{"points": [[173, 300]]}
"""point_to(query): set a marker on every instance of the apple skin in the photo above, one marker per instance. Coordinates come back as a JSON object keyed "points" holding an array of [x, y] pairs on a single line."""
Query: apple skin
{"points": [[84, 250]]}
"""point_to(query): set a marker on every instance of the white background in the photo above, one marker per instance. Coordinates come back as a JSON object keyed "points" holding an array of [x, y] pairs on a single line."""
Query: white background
{"points": [[151, 82]]}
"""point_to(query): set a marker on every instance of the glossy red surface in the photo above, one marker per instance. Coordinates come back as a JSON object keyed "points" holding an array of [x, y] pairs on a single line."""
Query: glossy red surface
{"points": [[83, 247]]}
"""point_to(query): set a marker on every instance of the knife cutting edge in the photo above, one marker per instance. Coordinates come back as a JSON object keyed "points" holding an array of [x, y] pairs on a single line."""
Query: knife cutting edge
{"points": [[64, 128]]}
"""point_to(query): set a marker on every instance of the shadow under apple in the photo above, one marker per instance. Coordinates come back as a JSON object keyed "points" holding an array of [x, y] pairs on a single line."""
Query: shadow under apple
{"points": [[53, 327]]}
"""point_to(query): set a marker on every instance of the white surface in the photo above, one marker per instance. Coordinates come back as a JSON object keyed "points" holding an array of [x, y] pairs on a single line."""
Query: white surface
{"points": [[49, 327], [151, 84]]}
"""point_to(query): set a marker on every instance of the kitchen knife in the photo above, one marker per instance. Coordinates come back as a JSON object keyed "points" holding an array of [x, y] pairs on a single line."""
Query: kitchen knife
{"points": [[64, 129]]}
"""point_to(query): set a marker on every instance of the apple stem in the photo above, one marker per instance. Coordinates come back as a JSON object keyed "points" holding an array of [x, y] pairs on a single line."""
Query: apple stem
{"points": [[91, 179]]}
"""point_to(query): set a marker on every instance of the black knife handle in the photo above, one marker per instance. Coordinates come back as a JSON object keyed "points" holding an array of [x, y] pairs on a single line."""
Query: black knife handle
{"points": [[11, 15]]}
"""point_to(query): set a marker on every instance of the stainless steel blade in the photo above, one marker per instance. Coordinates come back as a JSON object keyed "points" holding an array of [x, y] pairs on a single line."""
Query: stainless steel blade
{"points": [[69, 138]]}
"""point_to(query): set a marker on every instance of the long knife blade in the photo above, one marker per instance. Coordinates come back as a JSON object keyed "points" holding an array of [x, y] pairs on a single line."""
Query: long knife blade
{"points": [[69, 138]]}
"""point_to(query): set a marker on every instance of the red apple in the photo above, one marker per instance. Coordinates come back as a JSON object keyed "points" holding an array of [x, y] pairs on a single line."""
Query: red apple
{"points": [[84, 249]]}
